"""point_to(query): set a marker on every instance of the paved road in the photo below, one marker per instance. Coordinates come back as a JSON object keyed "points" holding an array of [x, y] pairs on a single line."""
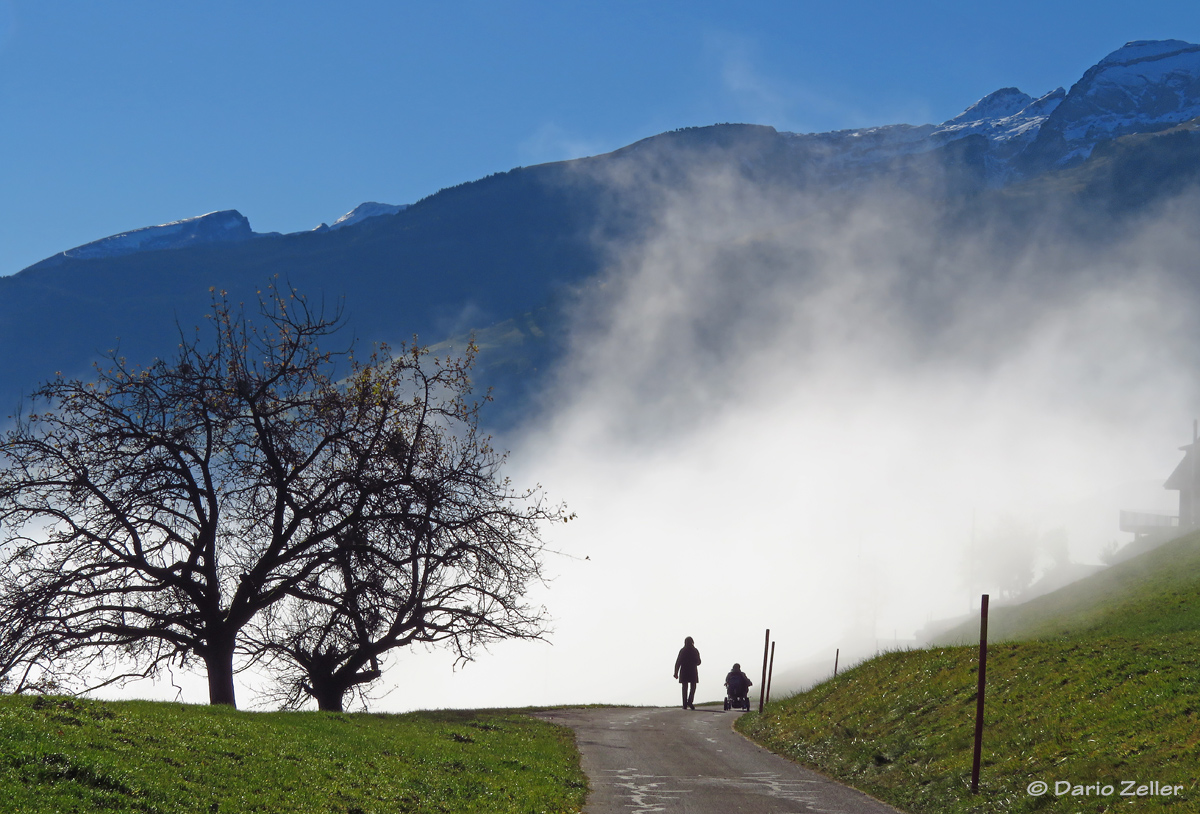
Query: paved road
{"points": [[672, 760]]}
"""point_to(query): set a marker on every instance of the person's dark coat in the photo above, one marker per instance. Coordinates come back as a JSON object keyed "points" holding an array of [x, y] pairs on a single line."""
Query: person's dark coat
{"points": [[738, 683], [686, 664]]}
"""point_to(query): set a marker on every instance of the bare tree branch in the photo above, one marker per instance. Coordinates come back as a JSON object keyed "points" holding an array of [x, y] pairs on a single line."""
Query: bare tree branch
{"points": [[261, 495]]}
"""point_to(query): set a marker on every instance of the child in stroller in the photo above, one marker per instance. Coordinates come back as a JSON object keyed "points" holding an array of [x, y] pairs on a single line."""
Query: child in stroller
{"points": [[737, 689]]}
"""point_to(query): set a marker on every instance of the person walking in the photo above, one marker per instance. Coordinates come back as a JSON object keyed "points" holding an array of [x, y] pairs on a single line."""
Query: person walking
{"points": [[685, 670]]}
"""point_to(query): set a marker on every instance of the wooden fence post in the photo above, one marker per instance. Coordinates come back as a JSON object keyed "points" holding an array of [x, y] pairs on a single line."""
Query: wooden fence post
{"points": [[762, 688], [770, 672], [983, 616]]}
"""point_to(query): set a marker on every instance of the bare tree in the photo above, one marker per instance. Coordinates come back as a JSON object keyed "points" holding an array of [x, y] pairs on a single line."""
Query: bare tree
{"points": [[154, 513], [441, 549]]}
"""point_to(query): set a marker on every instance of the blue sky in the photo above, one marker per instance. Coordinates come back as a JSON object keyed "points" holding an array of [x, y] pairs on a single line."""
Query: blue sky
{"points": [[124, 114]]}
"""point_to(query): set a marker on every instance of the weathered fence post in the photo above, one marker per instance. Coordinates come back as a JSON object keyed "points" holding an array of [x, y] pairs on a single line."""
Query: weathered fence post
{"points": [[983, 614], [836, 653], [770, 672], [762, 688]]}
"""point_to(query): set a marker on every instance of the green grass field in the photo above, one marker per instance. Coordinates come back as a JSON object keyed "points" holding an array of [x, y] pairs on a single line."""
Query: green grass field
{"points": [[1093, 685], [68, 755]]}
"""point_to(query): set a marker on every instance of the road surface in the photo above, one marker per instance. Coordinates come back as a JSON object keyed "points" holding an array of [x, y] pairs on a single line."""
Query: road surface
{"points": [[675, 760]]}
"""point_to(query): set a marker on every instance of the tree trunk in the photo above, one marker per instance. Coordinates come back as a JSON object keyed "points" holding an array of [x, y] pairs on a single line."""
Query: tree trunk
{"points": [[330, 700], [330, 690], [219, 665], [328, 684]]}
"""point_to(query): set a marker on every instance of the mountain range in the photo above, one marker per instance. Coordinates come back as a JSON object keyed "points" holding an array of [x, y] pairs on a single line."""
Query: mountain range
{"points": [[506, 257]]}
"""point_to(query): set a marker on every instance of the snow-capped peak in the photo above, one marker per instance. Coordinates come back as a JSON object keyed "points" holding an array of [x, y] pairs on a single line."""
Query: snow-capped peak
{"points": [[1143, 86], [996, 105], [1008, 115]]}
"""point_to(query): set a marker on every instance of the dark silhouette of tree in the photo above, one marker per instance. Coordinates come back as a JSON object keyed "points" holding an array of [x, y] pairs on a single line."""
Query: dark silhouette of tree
{"points": [[33, 659], [440, 548], [28, 657], [153, 514]]}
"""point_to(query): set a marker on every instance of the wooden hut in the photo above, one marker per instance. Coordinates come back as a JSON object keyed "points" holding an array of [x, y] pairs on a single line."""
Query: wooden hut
{"points": [[1186, 480]]}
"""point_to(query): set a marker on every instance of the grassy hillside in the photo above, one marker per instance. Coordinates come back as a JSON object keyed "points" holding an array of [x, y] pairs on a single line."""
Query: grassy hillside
{"points": [[1102, 687], [1155, 593], [64, 755], [901, 726]]}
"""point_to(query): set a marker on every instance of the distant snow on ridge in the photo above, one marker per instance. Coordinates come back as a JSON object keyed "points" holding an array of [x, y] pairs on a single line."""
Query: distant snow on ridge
{"points": [[214, 227], [1146, 49], [1138, 87], [1141, 87], [1008, 118], [370, 209], [1003, 116], [222, 226]]}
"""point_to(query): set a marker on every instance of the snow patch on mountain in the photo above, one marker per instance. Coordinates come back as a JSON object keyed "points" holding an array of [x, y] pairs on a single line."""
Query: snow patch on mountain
{"points": [[996, 105], [370, 209], [1138, 50], [225, 226], [215, 227], [1008, 118], [1004, 116]]}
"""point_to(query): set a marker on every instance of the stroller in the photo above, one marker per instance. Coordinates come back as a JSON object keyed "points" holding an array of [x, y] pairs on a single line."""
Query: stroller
{"points": [[737, 689]]}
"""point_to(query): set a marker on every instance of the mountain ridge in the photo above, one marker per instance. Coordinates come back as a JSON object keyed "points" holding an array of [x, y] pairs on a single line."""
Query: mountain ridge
{"points": [[522, 245], [1143, 86]]}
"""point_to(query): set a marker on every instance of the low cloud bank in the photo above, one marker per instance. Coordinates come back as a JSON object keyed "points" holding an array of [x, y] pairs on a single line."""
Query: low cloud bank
{"points": [[843, 416], [840, 417]]}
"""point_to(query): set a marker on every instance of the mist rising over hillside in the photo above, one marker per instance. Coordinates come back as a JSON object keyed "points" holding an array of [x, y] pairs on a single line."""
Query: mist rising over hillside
{"points": [[834, 416], [843, 414]]}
